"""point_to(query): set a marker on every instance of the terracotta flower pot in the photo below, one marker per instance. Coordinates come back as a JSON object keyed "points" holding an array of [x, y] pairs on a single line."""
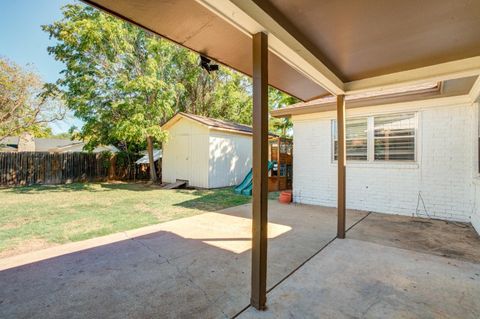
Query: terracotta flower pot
{"points": [[285, 197]]}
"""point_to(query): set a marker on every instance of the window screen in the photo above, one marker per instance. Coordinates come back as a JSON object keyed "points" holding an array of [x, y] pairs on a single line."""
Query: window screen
{"points": [[394, 137], [355, 138]]}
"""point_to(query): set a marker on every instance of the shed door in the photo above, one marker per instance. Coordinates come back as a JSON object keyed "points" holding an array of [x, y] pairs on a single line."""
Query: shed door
{"points": [[183, 160]]}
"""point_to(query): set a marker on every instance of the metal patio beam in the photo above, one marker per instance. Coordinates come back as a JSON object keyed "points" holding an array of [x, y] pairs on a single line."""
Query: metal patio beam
{"points": [[260, 173], [341, 202]]}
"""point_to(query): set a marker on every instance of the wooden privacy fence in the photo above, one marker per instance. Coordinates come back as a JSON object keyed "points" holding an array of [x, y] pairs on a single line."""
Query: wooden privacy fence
{"points": [[28, 168]]}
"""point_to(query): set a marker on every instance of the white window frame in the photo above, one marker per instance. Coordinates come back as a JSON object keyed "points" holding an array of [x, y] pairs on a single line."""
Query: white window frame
{"points": [[333, 132], [371, 139]]}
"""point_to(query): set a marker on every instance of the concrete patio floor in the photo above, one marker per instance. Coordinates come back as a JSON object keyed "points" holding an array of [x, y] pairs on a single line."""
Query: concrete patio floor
{"points": [[358, 279], [199, 267]]}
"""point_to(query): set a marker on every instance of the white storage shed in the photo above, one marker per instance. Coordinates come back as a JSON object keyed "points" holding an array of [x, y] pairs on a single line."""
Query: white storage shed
{"points": [[206, 152]]}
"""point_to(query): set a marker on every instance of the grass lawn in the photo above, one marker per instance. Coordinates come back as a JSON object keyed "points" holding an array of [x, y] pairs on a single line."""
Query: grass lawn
{"points": [[37, 217]]}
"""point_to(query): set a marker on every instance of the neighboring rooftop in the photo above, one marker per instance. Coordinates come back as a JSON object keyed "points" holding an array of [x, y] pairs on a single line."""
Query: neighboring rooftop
{"points": [[157, 154], [55, 145]]}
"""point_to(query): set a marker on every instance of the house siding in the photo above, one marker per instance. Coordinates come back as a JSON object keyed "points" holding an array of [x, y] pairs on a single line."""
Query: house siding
{"points": [[475, 218], [230, 158], [441, 177], [185, 154]]}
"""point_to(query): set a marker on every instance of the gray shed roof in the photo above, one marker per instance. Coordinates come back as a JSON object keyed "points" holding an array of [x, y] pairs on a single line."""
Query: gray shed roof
{"points": [[218, 123], [214, 123]]}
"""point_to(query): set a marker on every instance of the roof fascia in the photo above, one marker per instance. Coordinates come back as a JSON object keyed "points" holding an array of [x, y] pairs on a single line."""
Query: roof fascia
{"points": [[434, 73], [249, 18]]}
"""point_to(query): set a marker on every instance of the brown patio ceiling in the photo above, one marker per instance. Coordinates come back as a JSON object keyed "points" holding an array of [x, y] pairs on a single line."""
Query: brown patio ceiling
{"points": [[361, 39], [355, 39], [193, 26]]}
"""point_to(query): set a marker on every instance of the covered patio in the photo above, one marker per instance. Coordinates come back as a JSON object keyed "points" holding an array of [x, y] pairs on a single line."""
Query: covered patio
{"points": [[200, 267], [309, 49], [375, 281]]}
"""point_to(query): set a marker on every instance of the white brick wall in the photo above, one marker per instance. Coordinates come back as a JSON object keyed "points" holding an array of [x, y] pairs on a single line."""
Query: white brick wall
{"points": [[442, 174], [475, 218]]}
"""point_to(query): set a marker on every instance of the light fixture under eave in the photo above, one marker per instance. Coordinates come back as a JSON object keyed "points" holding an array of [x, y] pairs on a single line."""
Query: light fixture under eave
{"points": [[206, 64]]}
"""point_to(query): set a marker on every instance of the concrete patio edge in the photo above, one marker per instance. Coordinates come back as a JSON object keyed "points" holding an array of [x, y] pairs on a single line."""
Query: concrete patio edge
{"points": [[63, 249]]}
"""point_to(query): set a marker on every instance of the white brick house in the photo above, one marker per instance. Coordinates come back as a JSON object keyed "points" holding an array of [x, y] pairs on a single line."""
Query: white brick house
{"points": [[417, 157]]}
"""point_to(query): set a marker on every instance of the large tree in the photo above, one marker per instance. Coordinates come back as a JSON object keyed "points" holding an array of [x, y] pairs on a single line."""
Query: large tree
{"points": [[124, 82], [118, 78], [223, 94], [26, 103], [276, 100]]}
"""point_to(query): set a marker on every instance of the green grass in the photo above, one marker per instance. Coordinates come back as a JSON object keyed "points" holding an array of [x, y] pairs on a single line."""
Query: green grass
{"points": [[41, 216]]}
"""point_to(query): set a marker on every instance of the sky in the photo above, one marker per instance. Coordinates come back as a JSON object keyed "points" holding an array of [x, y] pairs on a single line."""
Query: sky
{"points": [[23, 41]]}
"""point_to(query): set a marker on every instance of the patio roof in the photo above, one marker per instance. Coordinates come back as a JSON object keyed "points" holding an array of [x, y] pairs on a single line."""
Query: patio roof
{"points": [[345, 47], [312, 49], [192, 25]]}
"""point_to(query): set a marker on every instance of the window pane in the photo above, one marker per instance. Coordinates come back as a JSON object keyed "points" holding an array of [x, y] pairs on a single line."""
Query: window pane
{"points": [[395, 137], [356, 139], [356, 128]]}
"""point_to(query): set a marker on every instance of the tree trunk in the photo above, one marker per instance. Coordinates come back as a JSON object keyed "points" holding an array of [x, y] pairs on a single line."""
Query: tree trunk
{"points": [[153, 173]]}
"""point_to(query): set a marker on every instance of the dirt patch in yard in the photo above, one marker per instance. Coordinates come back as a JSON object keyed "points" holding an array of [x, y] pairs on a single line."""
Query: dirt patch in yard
{"points": [[9, 226], [80, 226]]}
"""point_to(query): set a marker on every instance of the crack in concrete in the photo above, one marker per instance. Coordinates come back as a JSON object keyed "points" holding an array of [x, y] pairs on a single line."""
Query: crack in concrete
{"points": [[306, 261], [148, 248], [186, 274]]}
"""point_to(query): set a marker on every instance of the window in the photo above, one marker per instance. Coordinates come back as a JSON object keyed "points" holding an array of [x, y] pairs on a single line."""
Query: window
{"points": [[395, 137], [378, 138], [355, 138], [283, 170]]}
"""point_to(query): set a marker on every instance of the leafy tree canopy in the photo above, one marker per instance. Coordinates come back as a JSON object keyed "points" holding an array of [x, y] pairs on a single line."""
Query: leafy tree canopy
{"points": [[277, 100], [124, 82], [26, 104]]}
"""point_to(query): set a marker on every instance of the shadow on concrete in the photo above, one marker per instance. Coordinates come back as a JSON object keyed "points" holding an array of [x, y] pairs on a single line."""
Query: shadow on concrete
{"points": [[202, 269], [157, 275], [163, 274]]}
